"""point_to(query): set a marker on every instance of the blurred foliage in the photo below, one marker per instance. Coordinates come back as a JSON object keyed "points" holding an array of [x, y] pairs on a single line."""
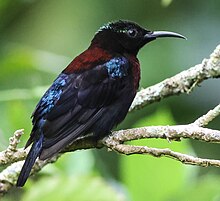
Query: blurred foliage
{"points": [[149, 173], [39, 38]]}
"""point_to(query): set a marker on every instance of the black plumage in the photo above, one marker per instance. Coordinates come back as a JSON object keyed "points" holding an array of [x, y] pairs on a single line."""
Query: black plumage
{"points": [[92, 95]]}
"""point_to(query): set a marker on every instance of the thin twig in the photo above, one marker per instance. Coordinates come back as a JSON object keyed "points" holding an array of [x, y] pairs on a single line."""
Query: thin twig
{"points": [[12, 154], [205, 119], [156, 152]]}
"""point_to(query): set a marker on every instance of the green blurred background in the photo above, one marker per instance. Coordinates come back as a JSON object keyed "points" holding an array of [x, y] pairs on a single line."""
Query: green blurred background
{"points": [[38, 38]]}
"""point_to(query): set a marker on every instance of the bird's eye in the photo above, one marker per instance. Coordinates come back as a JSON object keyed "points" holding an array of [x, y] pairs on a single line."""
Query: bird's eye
{"points": [[132, 33]]}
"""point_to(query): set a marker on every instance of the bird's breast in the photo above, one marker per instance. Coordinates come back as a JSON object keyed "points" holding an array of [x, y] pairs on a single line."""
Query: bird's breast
{"points": [[135, 70]]}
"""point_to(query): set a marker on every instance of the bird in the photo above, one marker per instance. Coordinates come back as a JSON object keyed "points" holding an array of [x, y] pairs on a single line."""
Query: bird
{"points": [[92, 94]]}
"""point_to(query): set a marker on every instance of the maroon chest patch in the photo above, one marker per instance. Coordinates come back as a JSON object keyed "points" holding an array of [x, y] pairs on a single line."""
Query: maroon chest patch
{"points": [[135, 70]]}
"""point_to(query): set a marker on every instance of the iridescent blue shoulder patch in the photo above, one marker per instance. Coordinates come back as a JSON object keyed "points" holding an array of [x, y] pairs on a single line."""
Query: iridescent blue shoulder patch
{"points": [[117, 67]]}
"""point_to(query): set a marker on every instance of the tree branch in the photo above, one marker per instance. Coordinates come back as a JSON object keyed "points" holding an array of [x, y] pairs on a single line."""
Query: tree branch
{"points": [[205, 119], [191, 131], [183, 82]]}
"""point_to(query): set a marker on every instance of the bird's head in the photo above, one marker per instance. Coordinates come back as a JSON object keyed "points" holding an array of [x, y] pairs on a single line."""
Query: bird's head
{"points": [[127, 37]]}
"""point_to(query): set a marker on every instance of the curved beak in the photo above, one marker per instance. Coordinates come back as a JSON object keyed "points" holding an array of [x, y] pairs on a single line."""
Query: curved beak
{"points": [[160, 34]]}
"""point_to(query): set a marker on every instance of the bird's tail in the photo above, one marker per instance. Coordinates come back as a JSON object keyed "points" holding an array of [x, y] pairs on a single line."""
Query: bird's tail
{"points": [[29, 162]]}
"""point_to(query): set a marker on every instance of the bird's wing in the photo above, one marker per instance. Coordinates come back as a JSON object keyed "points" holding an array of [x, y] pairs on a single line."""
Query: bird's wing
{"points": [[76, 101]]}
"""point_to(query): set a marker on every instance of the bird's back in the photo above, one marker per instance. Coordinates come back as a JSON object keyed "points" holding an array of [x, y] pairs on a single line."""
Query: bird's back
{"points": [[85, 99]]}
